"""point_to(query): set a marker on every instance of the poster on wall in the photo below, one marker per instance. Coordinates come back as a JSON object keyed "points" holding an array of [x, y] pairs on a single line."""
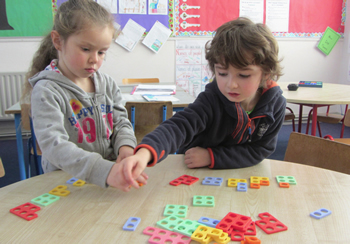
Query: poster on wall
{"points": [[20, 18], [192, 70]]}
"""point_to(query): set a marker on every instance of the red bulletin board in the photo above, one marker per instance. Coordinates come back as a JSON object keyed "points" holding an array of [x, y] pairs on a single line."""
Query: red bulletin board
{"points": [[307, 18]]}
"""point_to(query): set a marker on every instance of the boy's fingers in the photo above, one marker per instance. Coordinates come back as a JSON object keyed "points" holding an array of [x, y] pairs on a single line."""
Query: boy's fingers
{"points": [[128, 175]]}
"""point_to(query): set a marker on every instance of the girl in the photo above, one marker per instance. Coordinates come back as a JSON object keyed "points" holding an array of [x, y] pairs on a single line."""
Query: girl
{"points": [[79, 120]]}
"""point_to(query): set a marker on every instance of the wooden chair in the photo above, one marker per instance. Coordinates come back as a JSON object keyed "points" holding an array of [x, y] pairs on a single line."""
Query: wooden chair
{"points": [[146, 116], [318, 152], [289, 115], [346, 122], [33, 146], [140, 80], [2, 170], [327, 118]]}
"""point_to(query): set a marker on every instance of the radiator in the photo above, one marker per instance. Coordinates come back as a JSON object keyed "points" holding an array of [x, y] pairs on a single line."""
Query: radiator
{"points": [[10, 91]]}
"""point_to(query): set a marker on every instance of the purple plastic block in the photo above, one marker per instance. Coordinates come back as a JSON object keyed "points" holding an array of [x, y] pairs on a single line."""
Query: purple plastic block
{"points": [[131, 223], [208, 221], [212, 181], [241, 186], [72, 180], [321, 213]]}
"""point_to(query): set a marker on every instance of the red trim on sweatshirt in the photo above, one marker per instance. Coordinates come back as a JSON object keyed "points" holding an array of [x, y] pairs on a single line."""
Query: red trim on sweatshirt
{"points": [[211, 158], [270, 84], [153, 152]]}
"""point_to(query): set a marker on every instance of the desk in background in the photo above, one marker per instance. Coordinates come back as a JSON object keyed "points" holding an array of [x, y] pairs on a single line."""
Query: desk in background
{"points": [[329, 94], [184, 100], [91, 214]]}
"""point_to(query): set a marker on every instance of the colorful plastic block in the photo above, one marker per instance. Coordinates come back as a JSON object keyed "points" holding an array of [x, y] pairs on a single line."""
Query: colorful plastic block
{"points": [[255, 185], [170, 222], [284, 184], [264, 183], [270, 224], [72, 180], [239, 235], [321, 213], [251, 240], [233, 182], [234, 221], [185, 179], [288, 179], [258, 179], [203, 201], [131, 223], [176, 210], [187, 227], [79, 183], [26, 211], [45, 199], [205, 234], [212, 181], [60, 191], [242, 187], [208, 221], [160, 236]]}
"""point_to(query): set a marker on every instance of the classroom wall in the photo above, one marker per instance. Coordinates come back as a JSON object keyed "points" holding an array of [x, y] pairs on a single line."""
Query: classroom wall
{"points": [[301, 61]]}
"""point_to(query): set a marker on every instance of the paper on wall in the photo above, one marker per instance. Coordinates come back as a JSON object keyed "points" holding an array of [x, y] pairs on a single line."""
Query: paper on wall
{"points": [[130, 35], [252, 9], [277, 15], [156, 37]]}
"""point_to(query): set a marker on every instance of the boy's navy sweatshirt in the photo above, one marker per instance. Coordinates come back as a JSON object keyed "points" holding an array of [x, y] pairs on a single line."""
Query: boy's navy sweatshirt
{"points": [[233, 139]]}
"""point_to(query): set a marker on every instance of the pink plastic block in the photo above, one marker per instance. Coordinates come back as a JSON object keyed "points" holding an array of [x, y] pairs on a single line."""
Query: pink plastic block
{"points": [[26, 211], [160, 236], [234, 221], [185, 179], [270, 224]]}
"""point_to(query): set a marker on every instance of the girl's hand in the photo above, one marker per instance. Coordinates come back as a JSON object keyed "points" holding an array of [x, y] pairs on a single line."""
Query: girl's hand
{"points": [[197, 157], [124, 151]]}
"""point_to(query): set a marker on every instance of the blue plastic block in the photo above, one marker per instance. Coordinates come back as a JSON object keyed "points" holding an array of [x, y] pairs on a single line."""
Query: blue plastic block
{"points": [[208, 221], [321, 213], [242, 186], [131, 223], [72, 180], [212, 181]]}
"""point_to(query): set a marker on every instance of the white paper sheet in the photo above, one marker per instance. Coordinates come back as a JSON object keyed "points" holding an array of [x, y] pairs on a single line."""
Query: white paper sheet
{"points": [[277, 15], [158, 7], [252, 9], [156, 37], [132, 7], [130, 35]]}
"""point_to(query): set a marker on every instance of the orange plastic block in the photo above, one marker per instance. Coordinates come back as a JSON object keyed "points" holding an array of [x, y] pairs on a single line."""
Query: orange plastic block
{"points": [[264, 182], [255, 185], [284, 185], [251, 240]]}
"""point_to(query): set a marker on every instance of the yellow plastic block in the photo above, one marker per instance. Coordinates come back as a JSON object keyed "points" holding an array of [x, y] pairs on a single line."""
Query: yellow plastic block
{"points": [[258, 179], [60, 191], [79, 183], [233, 182], [205, 234]]}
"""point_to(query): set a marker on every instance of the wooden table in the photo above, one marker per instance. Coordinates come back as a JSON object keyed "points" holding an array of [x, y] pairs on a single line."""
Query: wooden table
{"points": [[184, 100], [94, 215], [329, 94]]}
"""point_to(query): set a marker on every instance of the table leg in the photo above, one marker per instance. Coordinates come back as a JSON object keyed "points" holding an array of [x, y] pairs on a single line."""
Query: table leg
{"points": [[300, 117], [22, 168], [314, 120]]}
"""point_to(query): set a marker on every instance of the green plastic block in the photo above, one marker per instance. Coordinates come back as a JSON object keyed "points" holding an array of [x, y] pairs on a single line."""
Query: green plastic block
{"points": [[176, 210], [187, 227], [286, 179], [45, 199], [169, 223], [203, 201]]}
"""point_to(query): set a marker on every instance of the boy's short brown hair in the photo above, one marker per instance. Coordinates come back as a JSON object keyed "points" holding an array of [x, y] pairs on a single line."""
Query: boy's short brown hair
{"points": [[240, 43]]}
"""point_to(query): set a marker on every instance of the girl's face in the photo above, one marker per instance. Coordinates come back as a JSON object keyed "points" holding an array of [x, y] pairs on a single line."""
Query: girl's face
{"points": [[82, 54], [238, 85]]}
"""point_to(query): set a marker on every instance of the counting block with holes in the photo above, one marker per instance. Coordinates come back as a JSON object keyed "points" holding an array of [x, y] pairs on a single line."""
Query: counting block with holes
{"points": [[284, 185], [26, 211], [287, 179], [160, 236], [231, 182], [212, 181], [72, 180], [205, 234], [257, 179], [234, 221], [203, 201], [239, 235], [270, 224], [45, 199], [131, 223], [170, 222], [242, 186], [79, 183], [321, 213], [60, 191], [208, 221], [185, 179], [187, 227], [251, 240], [175, 210]]}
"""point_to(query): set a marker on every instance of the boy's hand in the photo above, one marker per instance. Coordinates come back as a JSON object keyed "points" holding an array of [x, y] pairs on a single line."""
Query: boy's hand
{"points": [[197, 157], [124, 151]]}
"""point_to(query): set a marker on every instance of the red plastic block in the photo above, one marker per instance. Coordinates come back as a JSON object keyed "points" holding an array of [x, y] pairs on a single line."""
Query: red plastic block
{"points": [[160, 236], [270, 224], [185, 179], [239, 235], [26, 211], [233, 221]]}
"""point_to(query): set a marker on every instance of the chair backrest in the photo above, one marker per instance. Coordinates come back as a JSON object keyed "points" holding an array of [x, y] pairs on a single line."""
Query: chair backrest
{"points": [[2, 170], [140, 80], [347, 118], [148, 115], [318, 152]]}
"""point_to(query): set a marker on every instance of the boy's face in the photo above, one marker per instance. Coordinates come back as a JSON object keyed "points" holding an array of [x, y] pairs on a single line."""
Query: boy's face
{"points": [[238, 85]]}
